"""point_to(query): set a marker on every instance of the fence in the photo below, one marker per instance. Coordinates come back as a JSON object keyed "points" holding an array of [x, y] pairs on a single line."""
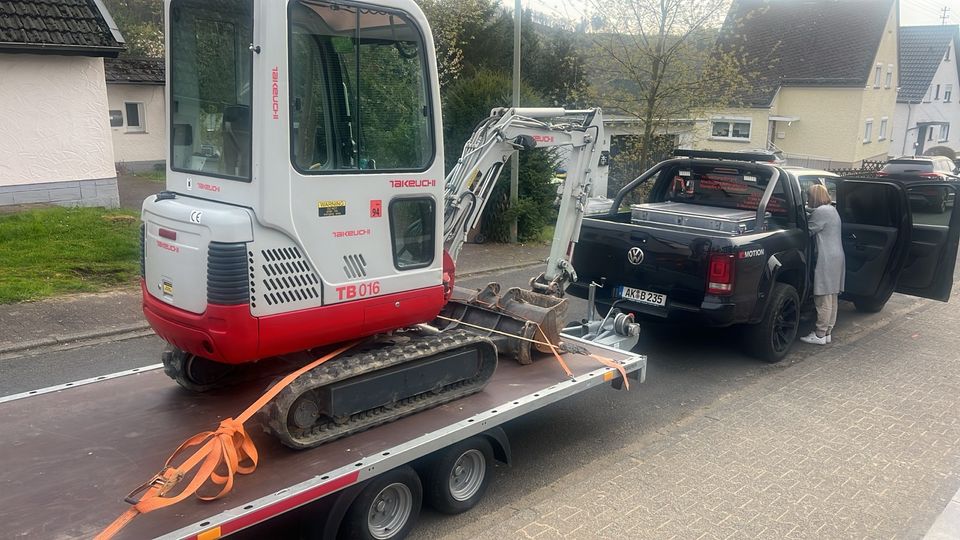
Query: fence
{"points": [[867, 168]]}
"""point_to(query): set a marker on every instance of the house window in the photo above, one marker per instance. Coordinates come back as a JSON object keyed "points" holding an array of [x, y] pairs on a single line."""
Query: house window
{"points": [[883, 129], [876, 75], [116, 118], [731, 129], [929, 133], [936, 93], [889, 81], [134, 116], [947, 93], [944, 133], [868, 130]]}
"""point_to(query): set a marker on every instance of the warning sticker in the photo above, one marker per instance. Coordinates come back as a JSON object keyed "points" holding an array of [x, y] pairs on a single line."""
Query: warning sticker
{"points": [[331, 208]]}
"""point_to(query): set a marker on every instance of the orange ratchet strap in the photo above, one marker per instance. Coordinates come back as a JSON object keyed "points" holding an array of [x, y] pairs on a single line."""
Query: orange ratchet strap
{"points": [[223, 454]]}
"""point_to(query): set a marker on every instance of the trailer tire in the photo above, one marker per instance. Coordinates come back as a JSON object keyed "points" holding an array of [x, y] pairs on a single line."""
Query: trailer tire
{"points": [[387, 508], [771, 338], [456, 478]]}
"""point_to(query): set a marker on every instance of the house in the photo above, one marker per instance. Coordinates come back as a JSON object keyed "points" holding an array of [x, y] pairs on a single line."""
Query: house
{"points": [[927, 104], [54, 130], [137, 112], [822, 79]]}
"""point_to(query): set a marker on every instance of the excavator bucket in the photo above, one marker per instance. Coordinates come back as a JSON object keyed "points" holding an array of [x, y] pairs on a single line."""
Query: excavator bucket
{"points": [[517, 321]]}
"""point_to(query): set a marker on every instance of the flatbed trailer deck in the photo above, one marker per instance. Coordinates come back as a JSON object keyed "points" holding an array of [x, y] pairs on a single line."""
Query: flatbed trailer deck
{"points": [[72, 452]]}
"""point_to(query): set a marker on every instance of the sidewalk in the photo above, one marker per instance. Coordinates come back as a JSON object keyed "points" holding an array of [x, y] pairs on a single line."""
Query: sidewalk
{"points": [[858, 441], [95, 316]]}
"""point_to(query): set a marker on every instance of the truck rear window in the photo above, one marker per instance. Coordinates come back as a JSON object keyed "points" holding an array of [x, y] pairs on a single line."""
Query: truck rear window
{"points": [[723, 187]]}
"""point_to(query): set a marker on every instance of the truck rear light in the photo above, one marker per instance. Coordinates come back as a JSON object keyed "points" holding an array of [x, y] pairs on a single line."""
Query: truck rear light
{"points": [[720, 274]]}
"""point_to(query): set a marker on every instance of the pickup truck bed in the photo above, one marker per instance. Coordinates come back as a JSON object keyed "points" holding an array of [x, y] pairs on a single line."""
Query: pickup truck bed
{"points": [[72, 452]]}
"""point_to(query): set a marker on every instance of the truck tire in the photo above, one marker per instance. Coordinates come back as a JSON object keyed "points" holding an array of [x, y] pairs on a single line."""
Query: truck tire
{"points": [[869, 304], [387, 508], [457, 476], [771, 338]]}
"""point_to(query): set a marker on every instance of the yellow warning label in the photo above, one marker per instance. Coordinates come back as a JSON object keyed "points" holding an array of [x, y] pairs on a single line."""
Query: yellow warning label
{"points": [[331, 208]]}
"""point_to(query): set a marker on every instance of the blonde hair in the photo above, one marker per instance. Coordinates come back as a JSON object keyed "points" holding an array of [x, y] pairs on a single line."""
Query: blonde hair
{"points": [[818, 196]]}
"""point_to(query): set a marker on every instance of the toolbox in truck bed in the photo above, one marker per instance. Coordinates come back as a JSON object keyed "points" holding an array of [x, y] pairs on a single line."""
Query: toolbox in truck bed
{"points": [[694, 216]]}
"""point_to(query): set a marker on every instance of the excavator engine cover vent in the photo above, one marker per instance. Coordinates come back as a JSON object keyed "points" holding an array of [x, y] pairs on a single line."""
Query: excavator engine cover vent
{"points": [[227, 280], [286, 277], [355, 266]]}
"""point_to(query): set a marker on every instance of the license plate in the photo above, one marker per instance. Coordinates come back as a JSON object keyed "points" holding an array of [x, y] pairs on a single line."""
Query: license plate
{"points": [[644, 297]]}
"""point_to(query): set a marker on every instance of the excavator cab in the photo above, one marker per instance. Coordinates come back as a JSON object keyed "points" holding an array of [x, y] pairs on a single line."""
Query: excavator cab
{"points": [[305, 179]]}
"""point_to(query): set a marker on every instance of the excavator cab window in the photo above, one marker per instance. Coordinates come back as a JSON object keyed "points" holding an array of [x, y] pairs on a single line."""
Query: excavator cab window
{"points": [[210, 86], [359, 92], [412, 232]]}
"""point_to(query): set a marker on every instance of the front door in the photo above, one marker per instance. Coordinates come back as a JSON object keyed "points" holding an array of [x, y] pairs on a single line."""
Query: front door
{"points": [[898, 236], [931, 257]]}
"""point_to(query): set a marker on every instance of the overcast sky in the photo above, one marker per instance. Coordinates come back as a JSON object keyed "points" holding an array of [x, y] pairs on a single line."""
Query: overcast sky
{"points": [[912, 12]]}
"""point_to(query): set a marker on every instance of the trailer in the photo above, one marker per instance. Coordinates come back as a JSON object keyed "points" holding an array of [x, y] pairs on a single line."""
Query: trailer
{"points": [[72, 451]]}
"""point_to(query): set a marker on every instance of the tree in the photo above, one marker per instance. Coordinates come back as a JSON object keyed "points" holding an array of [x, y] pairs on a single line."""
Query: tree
{"points": [[657, 61], [466, 103], [141, 23], [455, 25]]}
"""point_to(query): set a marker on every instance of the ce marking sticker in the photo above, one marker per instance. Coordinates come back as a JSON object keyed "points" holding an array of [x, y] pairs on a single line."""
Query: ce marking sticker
{"points": [[195, 216]]}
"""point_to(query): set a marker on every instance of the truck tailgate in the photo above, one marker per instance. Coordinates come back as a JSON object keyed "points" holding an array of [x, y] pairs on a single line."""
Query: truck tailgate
{"points": [[673, 262], [71, 453]]}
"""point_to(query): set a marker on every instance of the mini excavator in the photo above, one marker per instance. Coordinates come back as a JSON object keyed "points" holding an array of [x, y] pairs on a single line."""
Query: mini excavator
{"points": [[306, 206]]}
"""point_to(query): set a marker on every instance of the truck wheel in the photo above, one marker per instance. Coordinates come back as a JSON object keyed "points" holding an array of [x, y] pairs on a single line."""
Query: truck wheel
{"points": [[869, 304], [387, 508], [195, 373], [771, 338], [457, 476]]}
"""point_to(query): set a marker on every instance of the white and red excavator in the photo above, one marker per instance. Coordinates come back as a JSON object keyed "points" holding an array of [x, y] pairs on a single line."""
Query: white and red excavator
{"points": [[306, 206]]}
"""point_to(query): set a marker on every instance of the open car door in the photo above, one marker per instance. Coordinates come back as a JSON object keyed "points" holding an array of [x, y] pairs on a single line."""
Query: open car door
{"points": [[935, 233], [875, 224]]}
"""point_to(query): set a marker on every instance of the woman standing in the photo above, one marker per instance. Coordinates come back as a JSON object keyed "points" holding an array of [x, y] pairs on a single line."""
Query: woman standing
{"points": [[828, 277]]}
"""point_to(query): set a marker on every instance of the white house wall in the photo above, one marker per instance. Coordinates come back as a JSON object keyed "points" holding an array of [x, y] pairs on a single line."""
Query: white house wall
{"points": [[934, 110], [136, 149], [54, 131]]}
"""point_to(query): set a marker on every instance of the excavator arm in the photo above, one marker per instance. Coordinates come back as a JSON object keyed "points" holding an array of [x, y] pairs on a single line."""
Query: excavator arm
{"points": [[519, 320], [470, 183]]}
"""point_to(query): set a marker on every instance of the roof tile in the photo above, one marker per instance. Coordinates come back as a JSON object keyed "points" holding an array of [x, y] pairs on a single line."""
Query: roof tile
{"points": [[47, 24], [804, 43], [921, 50]]}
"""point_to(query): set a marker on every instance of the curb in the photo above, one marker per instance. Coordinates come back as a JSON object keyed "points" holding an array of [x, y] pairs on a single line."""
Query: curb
{"points": [[122, 331], [68, 338]]}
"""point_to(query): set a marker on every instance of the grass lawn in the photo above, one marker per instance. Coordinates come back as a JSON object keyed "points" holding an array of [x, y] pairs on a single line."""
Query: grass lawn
{"points": [[51, 251]]}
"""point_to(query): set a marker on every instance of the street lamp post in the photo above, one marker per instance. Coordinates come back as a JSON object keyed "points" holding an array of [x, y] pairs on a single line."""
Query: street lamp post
{"points": [[515, 159]]}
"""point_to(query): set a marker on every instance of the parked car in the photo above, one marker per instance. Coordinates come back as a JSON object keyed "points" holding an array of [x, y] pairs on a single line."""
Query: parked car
{"points": [[923, 168], [775, 156], [808, 177]]}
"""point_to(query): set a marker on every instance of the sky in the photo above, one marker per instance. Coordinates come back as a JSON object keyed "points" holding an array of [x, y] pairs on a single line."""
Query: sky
{"points": [[912, 12]]}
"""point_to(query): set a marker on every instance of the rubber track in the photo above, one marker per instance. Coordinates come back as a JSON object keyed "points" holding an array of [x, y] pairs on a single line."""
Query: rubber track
{"points": [[418, 347]]}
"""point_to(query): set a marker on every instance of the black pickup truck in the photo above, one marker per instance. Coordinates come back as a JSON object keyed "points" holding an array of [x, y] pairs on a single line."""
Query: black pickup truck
{"points": [[722, 240]]}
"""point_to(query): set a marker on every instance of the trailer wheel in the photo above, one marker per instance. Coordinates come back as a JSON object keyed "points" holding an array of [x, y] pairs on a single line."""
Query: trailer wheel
{"points": [[387, 509], [457, 477]]}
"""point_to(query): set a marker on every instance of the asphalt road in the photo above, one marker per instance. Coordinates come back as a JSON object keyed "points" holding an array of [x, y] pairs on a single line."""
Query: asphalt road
{"points": [[688, 368]]}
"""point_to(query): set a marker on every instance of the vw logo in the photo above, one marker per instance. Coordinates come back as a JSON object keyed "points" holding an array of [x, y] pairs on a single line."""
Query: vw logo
{"points": [[635, 255]]}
